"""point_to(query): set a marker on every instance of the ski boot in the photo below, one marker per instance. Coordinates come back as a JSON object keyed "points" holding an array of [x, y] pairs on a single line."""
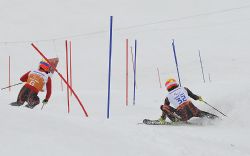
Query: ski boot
{"points": [[31, 106], [16, 104]]}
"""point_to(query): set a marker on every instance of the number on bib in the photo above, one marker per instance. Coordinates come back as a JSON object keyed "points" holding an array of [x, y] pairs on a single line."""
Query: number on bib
{"points": [[181, 98]]}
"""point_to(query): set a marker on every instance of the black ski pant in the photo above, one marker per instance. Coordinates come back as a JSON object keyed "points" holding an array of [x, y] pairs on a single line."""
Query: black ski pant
{"points": [[185, 112], [29, 96]]}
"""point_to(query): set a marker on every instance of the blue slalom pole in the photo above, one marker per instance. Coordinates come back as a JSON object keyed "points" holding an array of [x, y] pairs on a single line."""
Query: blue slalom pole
{"points": [[110, 54], [135, 72], [201, 66], [176, 63]]}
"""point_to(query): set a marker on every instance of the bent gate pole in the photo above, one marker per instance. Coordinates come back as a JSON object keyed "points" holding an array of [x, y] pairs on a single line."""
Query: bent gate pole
{"points": [[85, 112]]}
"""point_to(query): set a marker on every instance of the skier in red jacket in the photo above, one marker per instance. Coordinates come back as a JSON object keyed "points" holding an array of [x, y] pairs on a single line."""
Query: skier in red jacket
{"points": [[178, 105], [36, 81]]}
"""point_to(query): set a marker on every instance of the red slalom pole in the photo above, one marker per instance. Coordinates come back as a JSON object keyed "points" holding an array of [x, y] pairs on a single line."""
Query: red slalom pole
{"points": [[70, 68], [9, 74], [67, 72], [79, 101], [126, 72]]}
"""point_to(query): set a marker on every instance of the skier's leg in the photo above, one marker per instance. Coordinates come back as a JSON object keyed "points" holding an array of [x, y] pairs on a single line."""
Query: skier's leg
{"points": [[198, 113], [22, 97], [187, 110], [169, 111], [172, 117], [184, 113], [33, 100], [195, 111]]}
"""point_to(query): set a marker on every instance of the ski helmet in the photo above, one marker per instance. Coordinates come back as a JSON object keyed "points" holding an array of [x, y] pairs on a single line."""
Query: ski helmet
{"points": [[45, 66], [171, 83]]}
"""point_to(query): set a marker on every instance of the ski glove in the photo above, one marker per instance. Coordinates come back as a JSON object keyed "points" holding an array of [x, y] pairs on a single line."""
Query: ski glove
{"points": [[161, 120], [45, 101]]}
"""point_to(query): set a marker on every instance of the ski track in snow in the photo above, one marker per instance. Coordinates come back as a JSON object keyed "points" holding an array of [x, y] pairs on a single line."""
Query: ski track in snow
{"points": [[224, 47]]}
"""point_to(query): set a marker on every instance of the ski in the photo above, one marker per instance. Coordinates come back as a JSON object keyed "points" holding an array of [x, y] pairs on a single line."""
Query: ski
{"points": [[154, 122], [27, 105], [15, 104], [157, 122], [30, 106]]}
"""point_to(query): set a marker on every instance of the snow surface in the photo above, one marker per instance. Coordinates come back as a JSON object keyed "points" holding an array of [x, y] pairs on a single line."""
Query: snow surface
{"points": [[219, 29]]}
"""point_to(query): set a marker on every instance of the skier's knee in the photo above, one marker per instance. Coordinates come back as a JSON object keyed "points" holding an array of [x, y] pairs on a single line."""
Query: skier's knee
{"points": [[165, 108]]}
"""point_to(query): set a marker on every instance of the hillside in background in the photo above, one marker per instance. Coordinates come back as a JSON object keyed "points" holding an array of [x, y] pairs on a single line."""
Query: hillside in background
{"points": [[218, 29]]}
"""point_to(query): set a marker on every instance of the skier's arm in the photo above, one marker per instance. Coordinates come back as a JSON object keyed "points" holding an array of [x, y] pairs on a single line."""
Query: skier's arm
{"points": [[166, 102], [24, 78], [192, 95], [48, 87]]}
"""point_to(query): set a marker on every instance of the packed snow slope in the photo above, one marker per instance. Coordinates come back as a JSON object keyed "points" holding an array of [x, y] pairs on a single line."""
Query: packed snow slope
{"points": [[219, 29]]}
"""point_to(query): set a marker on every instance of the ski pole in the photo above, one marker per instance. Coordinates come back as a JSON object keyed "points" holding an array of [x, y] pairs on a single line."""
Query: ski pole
{"points": [[213, 108], [11, 85], [42, 106]]}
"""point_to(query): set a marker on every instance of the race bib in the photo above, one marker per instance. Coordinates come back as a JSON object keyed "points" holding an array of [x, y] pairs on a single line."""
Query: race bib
{"points": [[178, 96], [37, 79]]}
